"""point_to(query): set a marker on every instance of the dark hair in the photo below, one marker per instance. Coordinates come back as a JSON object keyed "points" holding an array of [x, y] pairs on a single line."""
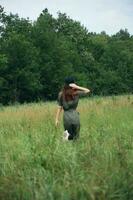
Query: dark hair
{"points": [[68, 93], [68, 80]]}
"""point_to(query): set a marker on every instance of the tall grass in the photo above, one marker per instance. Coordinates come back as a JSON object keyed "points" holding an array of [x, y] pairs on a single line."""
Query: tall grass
{"points": [[36, 164]]}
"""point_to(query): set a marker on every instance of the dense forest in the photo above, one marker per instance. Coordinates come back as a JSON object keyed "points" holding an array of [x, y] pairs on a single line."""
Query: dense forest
{"points": [[36, 56]]}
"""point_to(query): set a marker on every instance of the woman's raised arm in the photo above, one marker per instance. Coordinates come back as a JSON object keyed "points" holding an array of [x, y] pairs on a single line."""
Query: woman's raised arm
{"points": [[85, 90]]}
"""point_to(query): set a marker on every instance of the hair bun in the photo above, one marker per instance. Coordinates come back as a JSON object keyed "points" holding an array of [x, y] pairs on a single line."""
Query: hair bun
{"points": [[69, 80]]}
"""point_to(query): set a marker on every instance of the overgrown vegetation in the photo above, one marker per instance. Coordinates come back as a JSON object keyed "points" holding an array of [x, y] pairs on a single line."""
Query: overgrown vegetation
{"points": [[35, 163]]}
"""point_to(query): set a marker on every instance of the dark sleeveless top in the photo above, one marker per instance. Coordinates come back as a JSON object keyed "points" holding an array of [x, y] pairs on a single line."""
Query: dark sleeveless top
{"points": [[71, 116]]}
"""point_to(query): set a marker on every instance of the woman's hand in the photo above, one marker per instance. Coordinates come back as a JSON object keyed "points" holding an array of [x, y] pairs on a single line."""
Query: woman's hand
{"points": [[56, 122], [58, 116], [73, 85]]}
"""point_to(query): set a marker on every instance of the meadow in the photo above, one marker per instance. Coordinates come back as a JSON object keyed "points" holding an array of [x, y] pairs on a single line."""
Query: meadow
{"points": [[36, 164]]}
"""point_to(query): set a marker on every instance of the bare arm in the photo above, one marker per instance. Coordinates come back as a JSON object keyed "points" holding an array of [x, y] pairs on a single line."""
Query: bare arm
{"points": [[85, 90], [58, 115]]}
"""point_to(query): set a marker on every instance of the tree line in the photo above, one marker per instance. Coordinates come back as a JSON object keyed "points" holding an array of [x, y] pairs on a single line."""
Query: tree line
{"points": [[36, 56]]}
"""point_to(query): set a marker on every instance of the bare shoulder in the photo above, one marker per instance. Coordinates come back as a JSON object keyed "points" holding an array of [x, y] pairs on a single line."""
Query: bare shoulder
{"points": [[60, 94], [59, 100]]}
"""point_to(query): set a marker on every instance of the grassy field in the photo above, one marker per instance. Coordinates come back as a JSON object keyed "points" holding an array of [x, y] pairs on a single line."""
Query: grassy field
{"points": [[36, 164]]}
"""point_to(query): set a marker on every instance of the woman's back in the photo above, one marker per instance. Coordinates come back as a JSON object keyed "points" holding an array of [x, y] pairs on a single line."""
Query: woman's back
{"points": [[68, 105]]}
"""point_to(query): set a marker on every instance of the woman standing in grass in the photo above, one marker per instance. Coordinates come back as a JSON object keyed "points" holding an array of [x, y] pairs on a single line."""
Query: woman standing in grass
{"points": [[68, 101]]}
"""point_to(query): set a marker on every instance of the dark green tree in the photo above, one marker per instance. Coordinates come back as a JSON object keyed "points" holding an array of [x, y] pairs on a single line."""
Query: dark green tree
{"points": [[36, 57]]}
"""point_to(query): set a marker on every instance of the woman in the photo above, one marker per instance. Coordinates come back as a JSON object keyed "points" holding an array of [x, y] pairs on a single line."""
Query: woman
{"points": [[68, 101]]}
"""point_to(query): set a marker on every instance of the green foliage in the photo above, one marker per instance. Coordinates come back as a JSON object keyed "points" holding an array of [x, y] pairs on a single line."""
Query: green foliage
{"points": [[22, 71], [36, 57]]}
